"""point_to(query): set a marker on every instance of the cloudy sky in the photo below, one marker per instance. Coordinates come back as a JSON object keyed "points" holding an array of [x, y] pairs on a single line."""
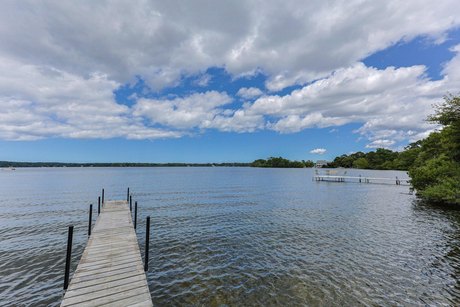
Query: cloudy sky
{"points": [[216, 81]]}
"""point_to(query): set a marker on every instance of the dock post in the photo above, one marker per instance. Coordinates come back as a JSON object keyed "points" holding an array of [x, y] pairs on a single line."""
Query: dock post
{"points": [[99, 201], [98, 206], [90, 219], [135, 214], [147, 239], [130, 203], [68, 257], [102, 196], [127, 195]]}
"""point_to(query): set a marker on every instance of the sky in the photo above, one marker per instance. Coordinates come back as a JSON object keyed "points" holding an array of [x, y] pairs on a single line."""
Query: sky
{"points": [[221, 81]]}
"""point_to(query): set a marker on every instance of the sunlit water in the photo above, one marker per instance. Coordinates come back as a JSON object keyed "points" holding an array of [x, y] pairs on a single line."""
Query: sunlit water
{"points": [[237, 236]]}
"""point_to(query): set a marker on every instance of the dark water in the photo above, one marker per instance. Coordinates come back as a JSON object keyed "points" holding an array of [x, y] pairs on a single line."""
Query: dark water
{"points": [[237, 236]]}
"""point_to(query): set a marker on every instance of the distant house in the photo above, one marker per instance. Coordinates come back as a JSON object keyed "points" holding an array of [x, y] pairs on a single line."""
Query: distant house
{"points": [[321, 163]]}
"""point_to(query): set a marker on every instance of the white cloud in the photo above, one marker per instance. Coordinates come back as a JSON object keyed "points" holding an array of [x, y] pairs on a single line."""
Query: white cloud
{"points": [[318, 151], [295, 42], [238, 121], [249, 92], [40, 101], [391, 103], [182, 113], [61, 61], [382, 143], [295, 123]]}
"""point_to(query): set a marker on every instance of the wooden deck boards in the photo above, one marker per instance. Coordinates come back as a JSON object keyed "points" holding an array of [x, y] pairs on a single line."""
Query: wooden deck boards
{"points": [[110, 271]]}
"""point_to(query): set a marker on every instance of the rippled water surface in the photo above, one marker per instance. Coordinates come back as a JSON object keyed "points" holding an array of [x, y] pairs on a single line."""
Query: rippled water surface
{"points": [[237, 236]]}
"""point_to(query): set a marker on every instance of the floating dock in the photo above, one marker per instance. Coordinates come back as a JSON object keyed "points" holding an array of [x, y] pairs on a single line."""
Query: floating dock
{"points": [[361, 179], [110, 271]]}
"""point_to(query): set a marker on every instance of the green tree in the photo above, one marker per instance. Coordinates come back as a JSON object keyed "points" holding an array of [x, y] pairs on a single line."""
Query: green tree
{"points": [[259, 163], [437, 180], [407, 157], [435, 173], [379, 159], [448, 115], [278, 162], [361, 163]]}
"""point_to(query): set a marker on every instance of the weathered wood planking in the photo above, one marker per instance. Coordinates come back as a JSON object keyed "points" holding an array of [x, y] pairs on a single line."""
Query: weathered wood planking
{"points": [[110, 271]]}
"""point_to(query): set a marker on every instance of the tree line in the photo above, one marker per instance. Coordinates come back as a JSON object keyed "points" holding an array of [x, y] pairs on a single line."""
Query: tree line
{"points": [[279, 162], [9, 164], [381, 159]]}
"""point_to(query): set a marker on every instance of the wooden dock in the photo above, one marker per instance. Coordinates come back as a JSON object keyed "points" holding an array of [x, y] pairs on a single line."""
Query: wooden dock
{"points": [[110, 271], [362, 179]]}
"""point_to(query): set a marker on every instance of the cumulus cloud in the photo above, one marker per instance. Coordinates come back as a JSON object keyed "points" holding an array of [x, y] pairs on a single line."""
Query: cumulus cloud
{"points": [[182, 113], [61, 61], [237, 121], [391, 103], [381, 143], [318, 151], [41, 101], [293, 43], [249, 92]]}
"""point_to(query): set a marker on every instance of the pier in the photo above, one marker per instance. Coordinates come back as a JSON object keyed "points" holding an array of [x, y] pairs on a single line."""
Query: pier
{"points": [[361, 179], [110, 271]]}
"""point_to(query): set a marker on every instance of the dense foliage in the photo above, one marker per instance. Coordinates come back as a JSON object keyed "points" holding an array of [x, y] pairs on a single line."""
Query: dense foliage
{"points": [[435, 173], [281, 163], [379, 159]]}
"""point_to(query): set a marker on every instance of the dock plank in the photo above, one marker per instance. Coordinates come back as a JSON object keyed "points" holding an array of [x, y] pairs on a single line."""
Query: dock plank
{"points": [[110, 271]]}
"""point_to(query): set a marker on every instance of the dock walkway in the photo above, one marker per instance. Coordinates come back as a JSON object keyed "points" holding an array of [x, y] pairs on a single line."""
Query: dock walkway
{"points": [[110, 271], [361, 179]]}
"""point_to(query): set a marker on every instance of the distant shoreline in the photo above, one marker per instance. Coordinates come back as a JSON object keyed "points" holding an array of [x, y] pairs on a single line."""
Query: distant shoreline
{"points": [[12, 164]]}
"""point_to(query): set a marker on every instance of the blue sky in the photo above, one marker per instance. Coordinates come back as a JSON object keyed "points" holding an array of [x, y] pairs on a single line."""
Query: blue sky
{"points": [[154, 84]]}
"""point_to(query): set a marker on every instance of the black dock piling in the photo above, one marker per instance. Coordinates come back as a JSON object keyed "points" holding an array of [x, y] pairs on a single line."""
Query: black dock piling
{"points": [[147, 239], [68, 257], [130, 203], [102, 196], [135, 214], [90, 219], [127, 195]]}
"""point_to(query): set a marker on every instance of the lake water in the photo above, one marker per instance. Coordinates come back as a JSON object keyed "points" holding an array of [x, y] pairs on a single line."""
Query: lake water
{"points": [[237, 236]]}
